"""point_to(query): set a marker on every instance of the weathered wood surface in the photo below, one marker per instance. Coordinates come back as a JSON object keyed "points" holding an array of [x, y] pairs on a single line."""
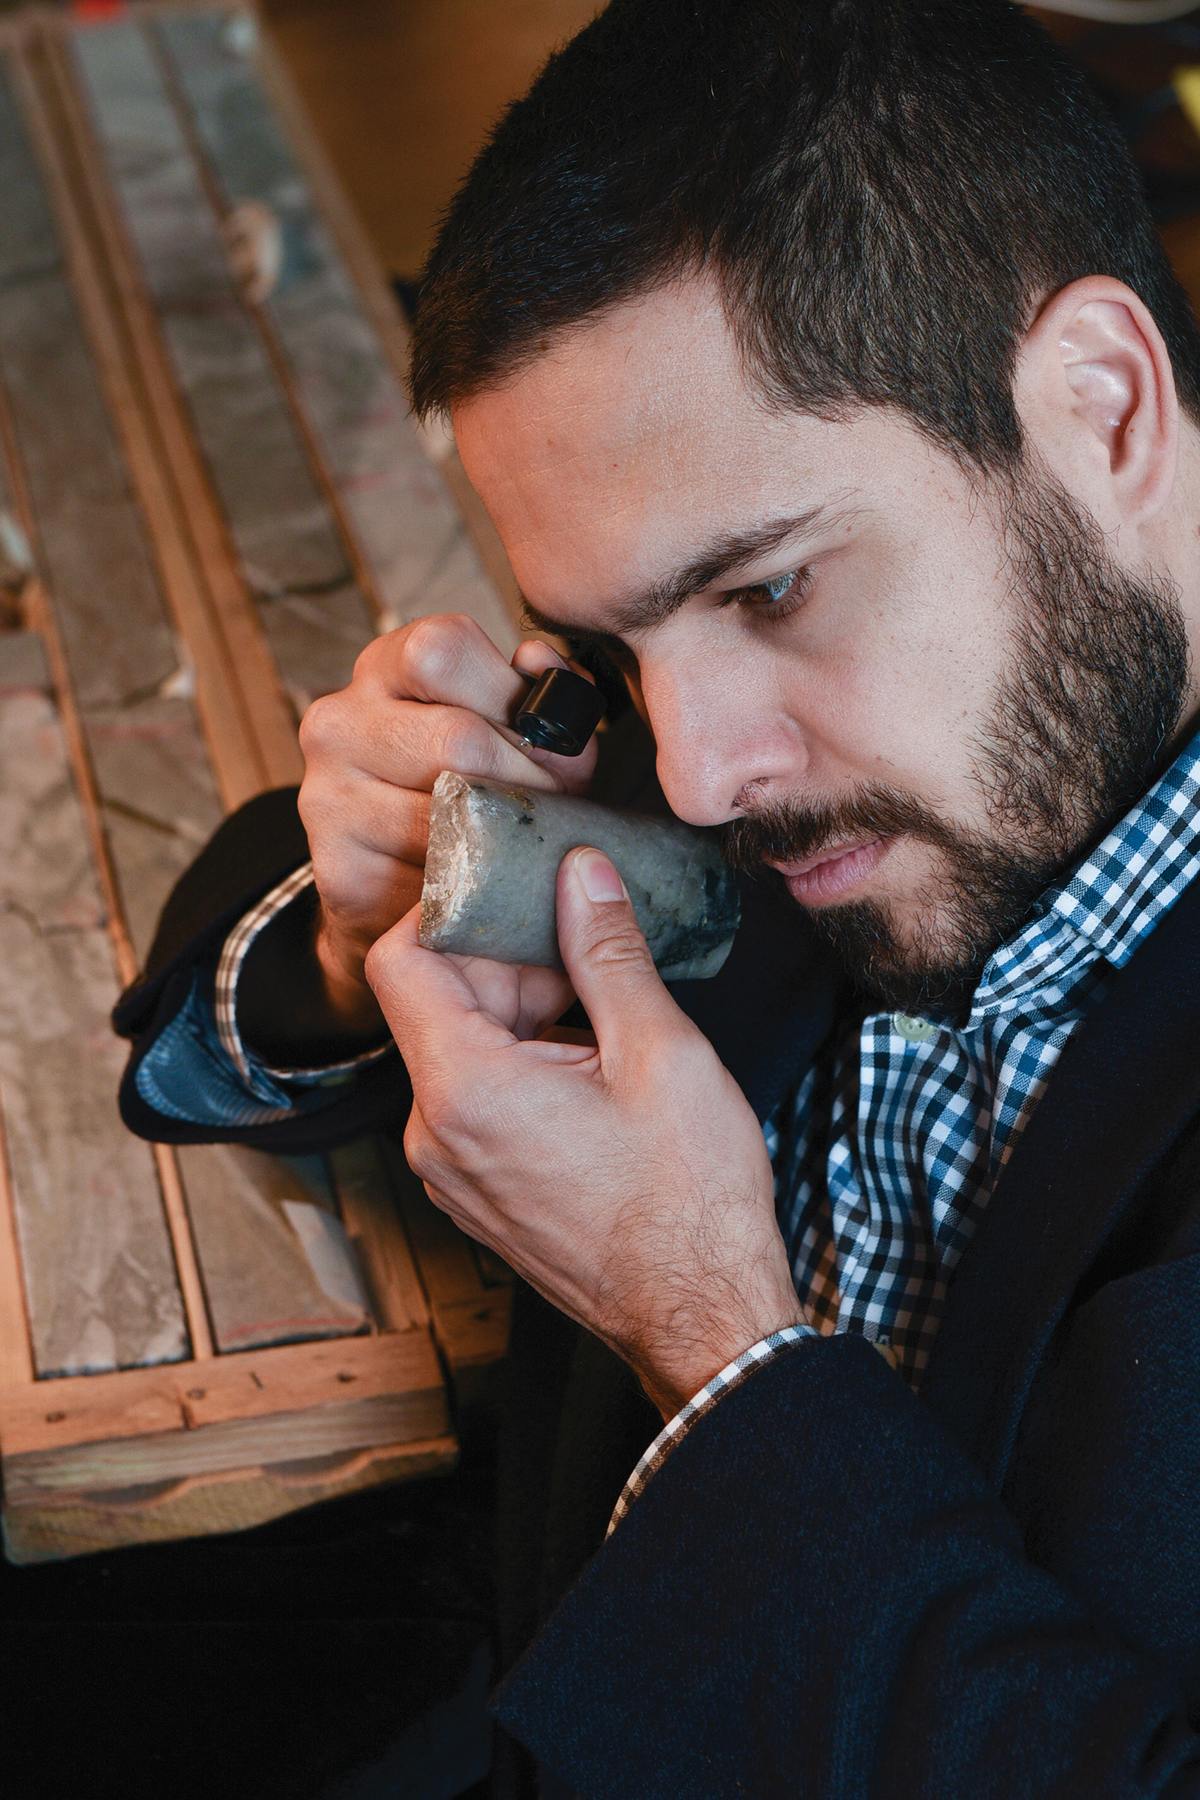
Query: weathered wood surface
{"points": [[49, 1529], [123, 658], [372, 1221], [469, 1292], [292, 556], [252, 745], [95, 1253], [132, 1457], [124, 344], [272, 1247], [150, 1403], [417, 552], [144, 741]]}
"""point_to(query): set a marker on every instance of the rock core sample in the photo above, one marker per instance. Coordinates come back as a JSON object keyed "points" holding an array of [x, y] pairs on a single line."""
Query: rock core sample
{"points": [[493, 860]]}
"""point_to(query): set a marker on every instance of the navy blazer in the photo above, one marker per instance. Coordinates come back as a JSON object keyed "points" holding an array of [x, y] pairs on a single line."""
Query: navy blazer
{"points": [[833, 1587]]}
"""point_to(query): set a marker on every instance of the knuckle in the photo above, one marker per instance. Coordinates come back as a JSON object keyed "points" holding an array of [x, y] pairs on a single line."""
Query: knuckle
{"points": [[467, 743], [434, 650], [373, 653], [418, 1150], [377, 966], [320, 725], [308, 805]]}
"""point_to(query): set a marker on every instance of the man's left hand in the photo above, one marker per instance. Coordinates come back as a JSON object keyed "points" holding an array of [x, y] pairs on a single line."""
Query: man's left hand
{"points": [[626, 1178]]}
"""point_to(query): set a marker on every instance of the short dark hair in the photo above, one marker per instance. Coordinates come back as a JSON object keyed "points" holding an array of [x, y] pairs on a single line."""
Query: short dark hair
{"points": [[882, 189]]}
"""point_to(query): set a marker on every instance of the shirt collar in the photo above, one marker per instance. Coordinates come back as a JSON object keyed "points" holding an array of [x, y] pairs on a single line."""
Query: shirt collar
{"points": [[1108, 904]]}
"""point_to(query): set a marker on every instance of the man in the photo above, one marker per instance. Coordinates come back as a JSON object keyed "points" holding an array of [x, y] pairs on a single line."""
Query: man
{"points": [[820, 368]]}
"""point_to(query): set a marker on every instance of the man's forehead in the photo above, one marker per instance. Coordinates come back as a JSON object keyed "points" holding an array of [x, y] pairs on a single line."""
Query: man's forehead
{"points": [[647, 365]]}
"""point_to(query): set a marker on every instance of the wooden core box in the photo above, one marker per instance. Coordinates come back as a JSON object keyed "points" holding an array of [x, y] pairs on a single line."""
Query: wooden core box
{"points": [[211, 496]]}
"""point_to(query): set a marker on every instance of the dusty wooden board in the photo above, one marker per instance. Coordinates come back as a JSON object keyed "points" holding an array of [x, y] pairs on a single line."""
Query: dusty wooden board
{"points": [[251, 746], [469, 1294], [128, 1438], [122, 653], [56, 1420], [95, 1253], [292, 555], [145, 745], [417, 552], [201, 1505], [149, 1454], [274, 1255], [372, 1220]]}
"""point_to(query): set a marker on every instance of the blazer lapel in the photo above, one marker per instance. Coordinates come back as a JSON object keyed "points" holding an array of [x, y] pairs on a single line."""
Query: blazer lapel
{"points": [[1127, 1085]]}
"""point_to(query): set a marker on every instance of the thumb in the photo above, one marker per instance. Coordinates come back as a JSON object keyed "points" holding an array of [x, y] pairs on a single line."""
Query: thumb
{"points": [[605, 951]]}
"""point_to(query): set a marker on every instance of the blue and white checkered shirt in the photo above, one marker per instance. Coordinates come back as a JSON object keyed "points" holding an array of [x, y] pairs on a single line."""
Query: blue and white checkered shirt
{"points": [[887, 1153]]}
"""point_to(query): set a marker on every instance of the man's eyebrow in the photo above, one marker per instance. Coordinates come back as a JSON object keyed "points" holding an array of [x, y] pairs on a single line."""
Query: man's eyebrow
{"points": [[717, 560]]}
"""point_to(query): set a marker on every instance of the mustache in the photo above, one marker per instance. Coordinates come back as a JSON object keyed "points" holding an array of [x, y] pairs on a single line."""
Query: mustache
{"points": [[784, 831]]}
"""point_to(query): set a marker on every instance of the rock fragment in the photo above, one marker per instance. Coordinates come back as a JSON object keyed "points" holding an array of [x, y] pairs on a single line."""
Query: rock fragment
{"points": [[493, 860]]}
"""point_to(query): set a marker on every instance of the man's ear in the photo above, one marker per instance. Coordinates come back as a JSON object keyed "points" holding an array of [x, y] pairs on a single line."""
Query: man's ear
{"points": [[1096, 397]]}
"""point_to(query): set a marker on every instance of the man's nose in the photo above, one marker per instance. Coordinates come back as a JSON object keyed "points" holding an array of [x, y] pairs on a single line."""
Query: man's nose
{"points": [[721, 747]]}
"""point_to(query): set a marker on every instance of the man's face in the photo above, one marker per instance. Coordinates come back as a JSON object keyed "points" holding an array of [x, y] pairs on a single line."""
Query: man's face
{"points": [[916, 697]]}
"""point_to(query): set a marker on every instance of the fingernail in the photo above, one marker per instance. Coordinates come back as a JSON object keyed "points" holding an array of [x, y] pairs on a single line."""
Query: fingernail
{"points": [[600, 880]]}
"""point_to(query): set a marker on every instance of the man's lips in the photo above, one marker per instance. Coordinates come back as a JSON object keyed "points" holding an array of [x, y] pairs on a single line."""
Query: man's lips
{"points": [[830, 874]]}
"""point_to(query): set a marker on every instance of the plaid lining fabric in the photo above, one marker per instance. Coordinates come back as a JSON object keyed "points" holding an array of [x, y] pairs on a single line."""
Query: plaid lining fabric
{"points": [[887, 1153], [261, 1081]]}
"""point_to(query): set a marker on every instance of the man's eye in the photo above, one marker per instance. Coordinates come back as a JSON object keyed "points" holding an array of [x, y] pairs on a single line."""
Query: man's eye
{"points": [[778, 596]]}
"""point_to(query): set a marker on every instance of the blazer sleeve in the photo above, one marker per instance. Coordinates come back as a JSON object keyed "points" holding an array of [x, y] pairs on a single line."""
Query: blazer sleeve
{"points": [[250, 853], [818, 1594]]}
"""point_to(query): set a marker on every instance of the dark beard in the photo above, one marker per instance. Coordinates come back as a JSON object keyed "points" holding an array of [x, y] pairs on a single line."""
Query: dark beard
{"points": [[1076, 734]]}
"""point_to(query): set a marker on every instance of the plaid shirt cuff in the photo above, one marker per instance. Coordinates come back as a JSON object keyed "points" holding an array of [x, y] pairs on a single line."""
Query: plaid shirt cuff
{"points": [[229, 968], [731, 1376]]}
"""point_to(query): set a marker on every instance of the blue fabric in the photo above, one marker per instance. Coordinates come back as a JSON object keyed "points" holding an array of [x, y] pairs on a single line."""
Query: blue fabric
{"points": [[186, 1074]]}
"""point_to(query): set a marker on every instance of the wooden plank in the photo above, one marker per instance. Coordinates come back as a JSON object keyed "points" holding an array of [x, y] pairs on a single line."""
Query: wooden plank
{"points": [[417, 554], [285, 1380], [489, 590], [77, 1524], [473, 1334], [267, 1230], [292, 557], [119, 645], [446, 1257], [249, 725], [16, 1343], [95, 1253], [372, 1219], [235, 1444], [470, 1299]]}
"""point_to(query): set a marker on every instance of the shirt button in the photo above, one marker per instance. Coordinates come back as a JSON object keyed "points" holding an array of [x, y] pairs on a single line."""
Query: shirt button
{"points": [[913, 1031]]}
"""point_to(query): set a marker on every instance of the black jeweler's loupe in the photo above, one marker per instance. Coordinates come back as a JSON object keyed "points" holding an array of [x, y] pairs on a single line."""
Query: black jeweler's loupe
{"points": [[560, 712]]}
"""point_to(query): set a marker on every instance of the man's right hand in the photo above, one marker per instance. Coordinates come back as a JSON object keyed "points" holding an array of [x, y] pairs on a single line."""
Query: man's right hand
{"points": [[436, 694]]}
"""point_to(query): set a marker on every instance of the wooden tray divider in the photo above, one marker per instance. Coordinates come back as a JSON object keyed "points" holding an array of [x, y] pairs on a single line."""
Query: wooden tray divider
{"points": [[494, 599], [250, 750], [363, 572]]}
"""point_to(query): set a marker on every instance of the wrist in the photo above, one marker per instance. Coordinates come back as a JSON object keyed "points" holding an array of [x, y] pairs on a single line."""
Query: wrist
{"points": [[352, 1007], [675, 1376], [292, 1010]]}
